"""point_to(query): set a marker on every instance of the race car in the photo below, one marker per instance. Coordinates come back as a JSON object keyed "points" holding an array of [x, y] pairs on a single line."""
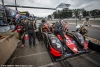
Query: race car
{"points": [[60, 48]]}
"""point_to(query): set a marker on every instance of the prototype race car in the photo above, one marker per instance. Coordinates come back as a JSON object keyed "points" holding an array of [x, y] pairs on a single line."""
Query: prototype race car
{"points": [[60, 48]]}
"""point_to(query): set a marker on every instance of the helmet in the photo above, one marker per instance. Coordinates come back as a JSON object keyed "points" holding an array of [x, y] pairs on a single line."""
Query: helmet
{"points": [[87, 17], [43, 20], [83, 30], [63, 22]]}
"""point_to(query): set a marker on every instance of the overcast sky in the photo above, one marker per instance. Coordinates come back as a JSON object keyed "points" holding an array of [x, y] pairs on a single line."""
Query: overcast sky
{"points": [[86, 4]]}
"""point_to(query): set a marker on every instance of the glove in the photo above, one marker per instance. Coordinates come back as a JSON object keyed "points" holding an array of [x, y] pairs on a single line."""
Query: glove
{"points": [[13, 30], [35, 30]]}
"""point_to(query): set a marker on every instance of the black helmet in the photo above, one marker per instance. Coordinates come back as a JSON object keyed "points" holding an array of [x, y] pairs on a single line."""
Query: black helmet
{"points": [[43, 20]]}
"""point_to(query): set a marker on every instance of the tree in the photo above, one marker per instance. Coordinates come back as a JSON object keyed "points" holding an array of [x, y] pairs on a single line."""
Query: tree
{"points": [[66, 13], [75, 12], [70, 13], [55, 15], [49, 16], [95, 13], [84, 13]]}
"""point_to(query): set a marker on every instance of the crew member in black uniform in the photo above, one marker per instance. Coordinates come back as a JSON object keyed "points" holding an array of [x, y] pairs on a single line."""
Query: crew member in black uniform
{"points": [[40, 29], [58, 29], [44, 26], [23, 30], [31, 31]]}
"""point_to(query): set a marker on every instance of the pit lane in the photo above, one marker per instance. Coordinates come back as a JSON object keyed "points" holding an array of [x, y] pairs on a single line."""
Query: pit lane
{"points": [[39, 57]]}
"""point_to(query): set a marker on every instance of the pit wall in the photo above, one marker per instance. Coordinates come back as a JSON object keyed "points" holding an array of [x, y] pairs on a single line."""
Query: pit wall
{"points": [[7, 47]]}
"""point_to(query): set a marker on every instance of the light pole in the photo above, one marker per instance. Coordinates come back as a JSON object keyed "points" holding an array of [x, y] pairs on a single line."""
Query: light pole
{"points": [[76, 13], [15, 5]]}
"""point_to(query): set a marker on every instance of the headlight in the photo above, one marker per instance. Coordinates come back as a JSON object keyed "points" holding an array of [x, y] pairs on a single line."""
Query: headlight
{"points": [[56, 43], [80, 37], [53, 41]]}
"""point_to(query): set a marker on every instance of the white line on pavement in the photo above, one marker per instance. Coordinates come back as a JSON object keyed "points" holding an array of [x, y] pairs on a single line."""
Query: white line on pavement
{"points": [[31, 55], [47, 65], [81, 24]]}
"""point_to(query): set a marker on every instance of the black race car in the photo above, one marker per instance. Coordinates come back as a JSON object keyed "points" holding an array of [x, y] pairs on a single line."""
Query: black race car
{"points": [[60, 48]]}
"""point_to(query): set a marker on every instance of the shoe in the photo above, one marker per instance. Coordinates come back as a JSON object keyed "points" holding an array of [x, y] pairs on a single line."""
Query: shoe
{"points": [[22, 46], [30, 46], [35, 45]]}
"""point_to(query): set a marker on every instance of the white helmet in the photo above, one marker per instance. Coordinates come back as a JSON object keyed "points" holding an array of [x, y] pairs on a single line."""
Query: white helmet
{"points": [[78, 26]]}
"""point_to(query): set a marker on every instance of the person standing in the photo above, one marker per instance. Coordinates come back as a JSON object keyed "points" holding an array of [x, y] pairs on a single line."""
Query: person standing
{"points": [[21, 28], [86, 22], [60, 28], [31, 31], [23, 32], [43, 27]]}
